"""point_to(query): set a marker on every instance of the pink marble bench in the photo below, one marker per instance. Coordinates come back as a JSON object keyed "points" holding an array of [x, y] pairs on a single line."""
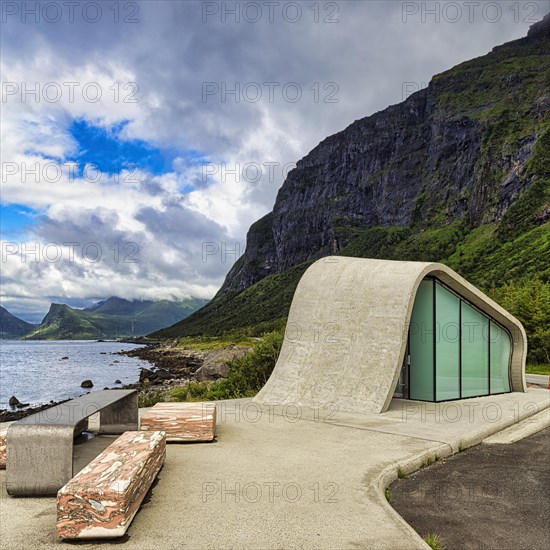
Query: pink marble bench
{"points": [[3, 449], [182, 421], [103, 498]]}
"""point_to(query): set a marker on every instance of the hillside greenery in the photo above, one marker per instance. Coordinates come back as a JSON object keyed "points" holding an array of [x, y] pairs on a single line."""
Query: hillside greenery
{"points": [[246, 375], [113, 318]]}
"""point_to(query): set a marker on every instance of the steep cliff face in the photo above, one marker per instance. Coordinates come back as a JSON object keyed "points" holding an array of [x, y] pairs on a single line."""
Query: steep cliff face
{"points": [[457, 151], [458, 173]]}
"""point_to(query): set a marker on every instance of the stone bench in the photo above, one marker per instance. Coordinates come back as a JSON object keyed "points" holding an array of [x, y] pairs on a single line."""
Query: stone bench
{"points": [[182, 422], [3, 448], [39, 458], [103, 498]]}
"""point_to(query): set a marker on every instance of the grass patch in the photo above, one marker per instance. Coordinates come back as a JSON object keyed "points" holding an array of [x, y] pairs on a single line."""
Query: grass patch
{"points": [[401, 473], [426, 462], [434, 542], [211, 343], [538, 369], [387, 494]]}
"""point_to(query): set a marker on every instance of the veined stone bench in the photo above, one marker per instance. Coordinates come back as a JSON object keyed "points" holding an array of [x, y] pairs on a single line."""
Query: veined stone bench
{"points": [[3, 448], [39, 458], [103, 498], [182, 421]]}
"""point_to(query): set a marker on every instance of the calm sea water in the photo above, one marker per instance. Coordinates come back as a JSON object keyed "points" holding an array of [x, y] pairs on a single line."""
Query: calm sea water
{"points": [[34, 372]]}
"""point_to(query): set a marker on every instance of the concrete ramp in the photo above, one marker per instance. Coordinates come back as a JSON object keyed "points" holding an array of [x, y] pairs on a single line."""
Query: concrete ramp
{"points": [[347, 333]]}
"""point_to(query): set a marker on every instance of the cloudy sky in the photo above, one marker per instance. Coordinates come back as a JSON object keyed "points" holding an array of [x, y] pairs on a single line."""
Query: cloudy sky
{"points": [[141, 139]]}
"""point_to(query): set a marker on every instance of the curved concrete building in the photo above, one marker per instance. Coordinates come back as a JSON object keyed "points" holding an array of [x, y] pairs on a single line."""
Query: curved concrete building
{"points": [[361, 331]]}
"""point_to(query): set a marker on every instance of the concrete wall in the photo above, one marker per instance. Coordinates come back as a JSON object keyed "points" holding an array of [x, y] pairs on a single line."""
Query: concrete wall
{"points": [[347, 333]]}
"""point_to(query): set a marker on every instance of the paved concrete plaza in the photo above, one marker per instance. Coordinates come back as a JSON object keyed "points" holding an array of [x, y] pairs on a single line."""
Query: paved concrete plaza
{"points": [[286, 478]]}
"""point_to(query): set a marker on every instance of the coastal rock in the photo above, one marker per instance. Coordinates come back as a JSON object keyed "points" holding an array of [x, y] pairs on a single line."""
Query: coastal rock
{"points": [[146, 374], [87, 384], [216, 365], [163, 374], [155, 377], [117, 381], [7, 415], [64, 358], [13, 402], [182, 363]]}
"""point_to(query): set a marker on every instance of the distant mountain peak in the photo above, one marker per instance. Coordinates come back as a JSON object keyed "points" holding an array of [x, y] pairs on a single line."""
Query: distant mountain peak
{"points": [[112, 318], [12, 327]]}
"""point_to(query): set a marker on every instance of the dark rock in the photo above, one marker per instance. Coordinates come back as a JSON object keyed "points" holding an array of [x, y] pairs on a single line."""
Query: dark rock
{"points": [[146, 374], [116, 361], [87, 384], [13, 402], [117, 381], [102, 353], [11, 415], [215, 364], [64, 358], [163, 374], [22, 405]]}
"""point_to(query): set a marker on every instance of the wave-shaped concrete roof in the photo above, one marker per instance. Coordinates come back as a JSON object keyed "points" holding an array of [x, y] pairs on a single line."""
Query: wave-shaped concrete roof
{"points": [[347, 329]]}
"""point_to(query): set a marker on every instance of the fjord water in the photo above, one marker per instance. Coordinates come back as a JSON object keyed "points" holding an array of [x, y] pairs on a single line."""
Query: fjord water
{"points": [[35, 372]]}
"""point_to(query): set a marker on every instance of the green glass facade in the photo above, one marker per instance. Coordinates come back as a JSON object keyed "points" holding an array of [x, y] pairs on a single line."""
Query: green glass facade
{"points": [[455, 351], [421, 345], [447, 346]]}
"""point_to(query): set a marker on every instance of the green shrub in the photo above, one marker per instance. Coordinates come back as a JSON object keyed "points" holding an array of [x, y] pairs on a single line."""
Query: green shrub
{"points": [[246, 375], [150, 397], [193, 391], [530, 303]]}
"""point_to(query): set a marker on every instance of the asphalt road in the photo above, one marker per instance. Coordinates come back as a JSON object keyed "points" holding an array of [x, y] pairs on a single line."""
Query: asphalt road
{"points": [[488, 497]]}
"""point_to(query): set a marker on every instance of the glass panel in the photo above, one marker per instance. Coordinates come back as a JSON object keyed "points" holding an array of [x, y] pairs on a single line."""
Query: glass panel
{"points": [[500, 359], [475, 352], [422, 344], [447, 349]]}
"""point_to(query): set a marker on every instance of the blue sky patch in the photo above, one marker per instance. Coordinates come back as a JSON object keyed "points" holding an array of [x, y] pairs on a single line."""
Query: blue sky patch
{"points": [[14, 219], [109, 153]]}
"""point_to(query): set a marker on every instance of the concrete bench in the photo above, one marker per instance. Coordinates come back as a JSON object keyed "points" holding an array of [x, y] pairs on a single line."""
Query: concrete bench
{"points": [[103, 498], [40, 446], [182, 421], [3, 448]]}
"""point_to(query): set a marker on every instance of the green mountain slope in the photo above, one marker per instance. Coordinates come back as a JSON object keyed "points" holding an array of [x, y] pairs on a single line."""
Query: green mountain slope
{"points": [[113, 318], [11, 327], [458, 173]]}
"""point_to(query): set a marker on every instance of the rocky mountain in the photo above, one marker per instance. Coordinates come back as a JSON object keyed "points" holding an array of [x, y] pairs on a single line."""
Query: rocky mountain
{"points": [[11, 327], [112, 318], [458, 172]]}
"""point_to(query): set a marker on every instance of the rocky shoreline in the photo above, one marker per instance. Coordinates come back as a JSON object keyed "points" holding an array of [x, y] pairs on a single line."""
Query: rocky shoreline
{"points": [[174, 365], [171, 365]]}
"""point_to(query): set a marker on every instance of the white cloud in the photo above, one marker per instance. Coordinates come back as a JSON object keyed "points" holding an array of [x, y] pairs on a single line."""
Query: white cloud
{"points": [[170, 54]]}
